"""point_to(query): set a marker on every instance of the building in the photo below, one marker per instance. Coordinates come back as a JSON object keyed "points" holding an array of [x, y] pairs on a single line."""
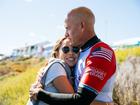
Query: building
{"points": [[126, 43], [42, 49]]}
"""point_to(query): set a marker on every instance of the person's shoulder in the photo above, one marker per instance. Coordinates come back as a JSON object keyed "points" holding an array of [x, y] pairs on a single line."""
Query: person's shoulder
{"points": [[53, 63], [53, 60], [101, 50], [101, 44], [56, 65], [59, 63]]}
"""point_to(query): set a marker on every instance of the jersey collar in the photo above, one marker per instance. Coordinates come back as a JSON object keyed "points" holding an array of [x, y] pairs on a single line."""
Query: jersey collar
{"points": [[90, 43]]}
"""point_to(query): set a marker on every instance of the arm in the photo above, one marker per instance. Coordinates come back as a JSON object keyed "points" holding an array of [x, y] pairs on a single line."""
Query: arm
{"points": [[63, 85], [37, 83], [97, 72], [58, 77], [55, 75], [83, 97]]}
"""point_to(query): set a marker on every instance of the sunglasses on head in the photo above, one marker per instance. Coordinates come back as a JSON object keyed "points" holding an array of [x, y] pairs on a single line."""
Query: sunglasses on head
{"points": [[66, 49]]}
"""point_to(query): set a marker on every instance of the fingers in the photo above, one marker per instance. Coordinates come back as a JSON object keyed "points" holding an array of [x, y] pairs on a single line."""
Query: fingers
{"points": [[36, 85], [33, 93]]}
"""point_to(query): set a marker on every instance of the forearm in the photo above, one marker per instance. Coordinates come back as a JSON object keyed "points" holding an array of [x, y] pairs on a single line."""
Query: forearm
{"points": [[83, 97]]}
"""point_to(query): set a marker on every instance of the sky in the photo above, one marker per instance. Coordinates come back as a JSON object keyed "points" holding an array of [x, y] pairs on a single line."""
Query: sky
{"points": [[27, 22]]}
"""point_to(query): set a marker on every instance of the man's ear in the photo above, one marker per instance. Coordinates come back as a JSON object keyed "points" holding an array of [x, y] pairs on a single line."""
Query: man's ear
{"points": [[82, 25]]}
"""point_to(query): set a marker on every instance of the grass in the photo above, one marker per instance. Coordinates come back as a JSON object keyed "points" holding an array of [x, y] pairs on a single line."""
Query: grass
{"points": [[127, 85], [14, 88]]}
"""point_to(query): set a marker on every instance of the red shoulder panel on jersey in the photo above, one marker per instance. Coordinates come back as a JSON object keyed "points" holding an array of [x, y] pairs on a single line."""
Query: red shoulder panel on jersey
{"points": [[100, 66]]}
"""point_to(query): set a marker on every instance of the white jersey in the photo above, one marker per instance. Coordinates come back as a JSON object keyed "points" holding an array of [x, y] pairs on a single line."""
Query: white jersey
{"points": [[90, 54]]}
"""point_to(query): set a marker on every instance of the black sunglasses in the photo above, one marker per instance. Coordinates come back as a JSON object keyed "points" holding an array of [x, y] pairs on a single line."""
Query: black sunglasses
{"points": [[66, 49]]}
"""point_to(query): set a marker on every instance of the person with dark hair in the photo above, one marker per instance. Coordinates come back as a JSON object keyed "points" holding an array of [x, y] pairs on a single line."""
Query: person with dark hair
{"points": [[96, 67]]}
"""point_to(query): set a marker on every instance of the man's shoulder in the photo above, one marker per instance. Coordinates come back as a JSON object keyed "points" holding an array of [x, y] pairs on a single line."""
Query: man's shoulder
{"points": [[102, 50], [101, 44]]}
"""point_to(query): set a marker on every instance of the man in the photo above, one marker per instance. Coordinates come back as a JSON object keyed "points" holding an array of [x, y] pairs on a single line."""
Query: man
{"points": [[95, 70]]}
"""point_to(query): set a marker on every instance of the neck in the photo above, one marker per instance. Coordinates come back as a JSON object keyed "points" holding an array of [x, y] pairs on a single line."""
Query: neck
{"points": [[90, 42], [87, 37]]}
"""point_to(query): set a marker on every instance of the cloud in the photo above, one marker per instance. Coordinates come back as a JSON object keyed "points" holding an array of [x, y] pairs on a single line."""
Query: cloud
{"points": [[28, 0]]}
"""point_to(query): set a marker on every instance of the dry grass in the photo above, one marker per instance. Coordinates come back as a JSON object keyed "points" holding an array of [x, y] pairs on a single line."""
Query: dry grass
{"points": [[127, 85], [14, 88]]}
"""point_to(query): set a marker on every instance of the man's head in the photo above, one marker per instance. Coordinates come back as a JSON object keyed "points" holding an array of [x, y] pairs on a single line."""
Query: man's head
{"points": [[79, 25]]}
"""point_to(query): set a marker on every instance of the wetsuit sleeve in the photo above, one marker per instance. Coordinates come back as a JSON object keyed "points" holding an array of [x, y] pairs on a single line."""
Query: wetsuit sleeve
{"points": [[82, 97], [100, 66]]}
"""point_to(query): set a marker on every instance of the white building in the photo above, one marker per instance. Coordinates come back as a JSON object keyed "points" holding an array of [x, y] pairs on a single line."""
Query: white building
{"points": [[39, 49], [127, 43]]}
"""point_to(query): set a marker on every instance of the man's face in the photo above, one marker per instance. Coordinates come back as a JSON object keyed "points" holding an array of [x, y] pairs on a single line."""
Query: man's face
{"points": [[73, 30]]}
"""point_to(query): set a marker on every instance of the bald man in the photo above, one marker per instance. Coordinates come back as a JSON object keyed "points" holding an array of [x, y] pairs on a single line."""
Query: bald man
{"points": [[96, 67]]}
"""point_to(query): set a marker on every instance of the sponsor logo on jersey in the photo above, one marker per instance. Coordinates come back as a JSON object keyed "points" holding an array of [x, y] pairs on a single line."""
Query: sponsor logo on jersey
{"points": [[92, 71]]}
